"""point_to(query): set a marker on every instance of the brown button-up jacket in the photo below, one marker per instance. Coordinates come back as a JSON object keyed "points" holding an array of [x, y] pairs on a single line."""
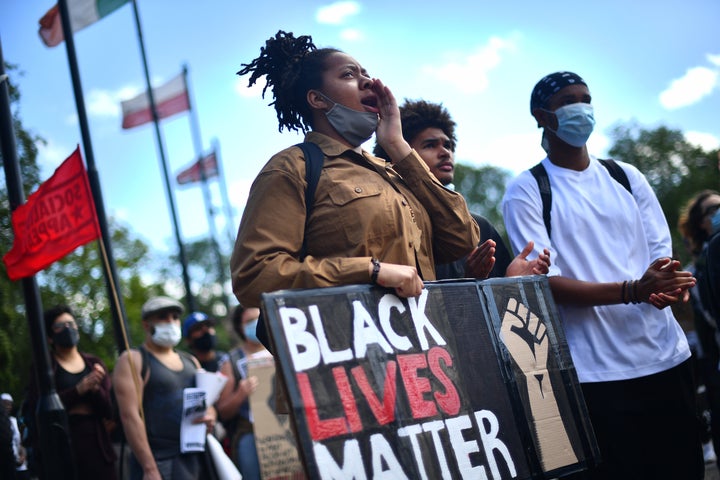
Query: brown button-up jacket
{"points": [[364, 207]]}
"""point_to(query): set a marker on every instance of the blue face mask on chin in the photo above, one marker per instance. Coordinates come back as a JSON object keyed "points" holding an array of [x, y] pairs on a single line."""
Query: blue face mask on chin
{"points": [[715, 221], [575, 123], [250, 331]]}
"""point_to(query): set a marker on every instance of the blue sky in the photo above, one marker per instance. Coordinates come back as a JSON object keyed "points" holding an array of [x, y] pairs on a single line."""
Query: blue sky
{"points": [[656, 62]]}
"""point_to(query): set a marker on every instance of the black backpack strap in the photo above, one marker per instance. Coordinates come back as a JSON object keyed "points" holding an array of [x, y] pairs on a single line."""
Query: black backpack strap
{"points": [[314, 159], [617, 173], [145, 359], [541, 177], [234, 357]]}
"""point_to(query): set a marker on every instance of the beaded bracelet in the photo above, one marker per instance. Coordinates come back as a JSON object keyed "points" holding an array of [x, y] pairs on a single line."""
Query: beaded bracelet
{"points": [[376, 270], [636, 299], [624, 288]]}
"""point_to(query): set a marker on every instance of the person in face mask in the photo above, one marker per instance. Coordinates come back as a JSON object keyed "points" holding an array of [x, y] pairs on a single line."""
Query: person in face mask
{"points": [[199, 334], [373, 221], [162, 374], [233, 405], [612, 278], [83, 385], [698, 223]]}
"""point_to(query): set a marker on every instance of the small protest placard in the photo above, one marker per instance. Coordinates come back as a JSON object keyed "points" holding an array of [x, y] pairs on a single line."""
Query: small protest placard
{"points": [[192, 435]]}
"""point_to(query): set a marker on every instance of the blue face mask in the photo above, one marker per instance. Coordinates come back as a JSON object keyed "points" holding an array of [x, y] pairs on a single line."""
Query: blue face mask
{"points": [[250, 331], [575, 123], [715, 221]]}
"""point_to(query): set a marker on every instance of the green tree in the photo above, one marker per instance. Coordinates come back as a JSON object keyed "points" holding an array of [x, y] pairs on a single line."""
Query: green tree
{"points": [[14, 337], [208, 277], [675, 169], [483, 189]]}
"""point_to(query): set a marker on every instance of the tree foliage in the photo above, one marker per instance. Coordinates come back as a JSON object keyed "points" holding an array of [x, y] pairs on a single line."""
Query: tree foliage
{"points": [[675, 169], [483, 189]]}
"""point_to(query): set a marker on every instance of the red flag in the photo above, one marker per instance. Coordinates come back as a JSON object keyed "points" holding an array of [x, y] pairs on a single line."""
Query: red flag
{"points": [[170, 98], [59, 217], [192, 173]]}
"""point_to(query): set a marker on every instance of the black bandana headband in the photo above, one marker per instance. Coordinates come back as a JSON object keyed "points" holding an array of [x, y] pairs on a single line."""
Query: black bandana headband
{"points": [[550, 85]]}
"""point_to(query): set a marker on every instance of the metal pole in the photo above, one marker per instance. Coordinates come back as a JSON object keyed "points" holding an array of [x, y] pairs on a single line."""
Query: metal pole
{"points": [[164, 167], [197, 140], [117, 307], [55, 452], [229, 214]]}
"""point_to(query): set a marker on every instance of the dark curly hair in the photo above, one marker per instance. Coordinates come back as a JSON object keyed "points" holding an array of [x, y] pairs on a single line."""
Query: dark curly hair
{"points": [[416, 116], [291, 66], [691, 219], [51, 314]]}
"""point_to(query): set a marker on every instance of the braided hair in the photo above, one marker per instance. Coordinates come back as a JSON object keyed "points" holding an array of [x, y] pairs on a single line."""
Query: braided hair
{"points": [[291, 66]]}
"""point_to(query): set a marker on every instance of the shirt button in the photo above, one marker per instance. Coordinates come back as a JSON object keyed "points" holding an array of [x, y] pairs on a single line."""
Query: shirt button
{"points": [[410, 244], [358, 190], [404, 203]]}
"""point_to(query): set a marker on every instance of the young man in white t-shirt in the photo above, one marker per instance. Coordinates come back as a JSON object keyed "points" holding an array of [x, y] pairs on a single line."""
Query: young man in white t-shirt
{"points": [[612, 278]]}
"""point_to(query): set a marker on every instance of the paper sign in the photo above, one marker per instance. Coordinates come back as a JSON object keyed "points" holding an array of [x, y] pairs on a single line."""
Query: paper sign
{"points": [[192, 435]]}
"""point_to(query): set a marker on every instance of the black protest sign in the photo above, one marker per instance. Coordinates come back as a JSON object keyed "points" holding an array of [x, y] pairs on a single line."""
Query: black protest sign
{"points": [[468, 380]]}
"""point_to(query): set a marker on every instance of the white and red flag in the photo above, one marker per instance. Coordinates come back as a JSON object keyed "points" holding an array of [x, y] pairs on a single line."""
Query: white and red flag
{"points": [[170, 98], [193, 174]]}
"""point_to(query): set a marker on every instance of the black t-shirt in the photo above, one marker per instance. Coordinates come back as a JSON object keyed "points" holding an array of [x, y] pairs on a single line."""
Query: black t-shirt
{"points": [[503, 258]]}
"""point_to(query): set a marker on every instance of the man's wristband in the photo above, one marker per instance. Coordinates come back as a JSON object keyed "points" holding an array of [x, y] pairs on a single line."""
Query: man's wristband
{"points": [[375, 271]]}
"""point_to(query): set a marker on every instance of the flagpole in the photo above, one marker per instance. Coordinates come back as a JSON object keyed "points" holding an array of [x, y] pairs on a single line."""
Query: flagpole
{"points": [[117, 308], [229, 215], [51, 416], [197, 140], [164, 167]]}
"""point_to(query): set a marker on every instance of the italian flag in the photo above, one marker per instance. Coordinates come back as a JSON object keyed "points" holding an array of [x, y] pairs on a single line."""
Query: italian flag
{"points": [[170, 98], [82, 14]]}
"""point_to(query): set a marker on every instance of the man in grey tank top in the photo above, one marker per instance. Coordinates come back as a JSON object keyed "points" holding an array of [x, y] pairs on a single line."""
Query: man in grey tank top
{"points": [[163, 373]]}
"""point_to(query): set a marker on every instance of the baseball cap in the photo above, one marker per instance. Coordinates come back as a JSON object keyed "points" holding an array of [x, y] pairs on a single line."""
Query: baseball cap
{"points": [[193, 319], [6, 396], [157, 304]]}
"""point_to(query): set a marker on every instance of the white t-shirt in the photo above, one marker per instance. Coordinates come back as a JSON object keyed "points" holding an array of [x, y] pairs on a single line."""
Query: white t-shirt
{"points": [[601, 233]]}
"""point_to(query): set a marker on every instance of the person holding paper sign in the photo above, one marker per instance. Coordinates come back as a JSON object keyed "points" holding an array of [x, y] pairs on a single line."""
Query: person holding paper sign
{"points": [[372, 221], [164, 375], [233, 405]]}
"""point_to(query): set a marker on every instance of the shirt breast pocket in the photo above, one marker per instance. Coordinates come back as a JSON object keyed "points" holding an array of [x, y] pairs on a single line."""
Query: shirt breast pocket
{"points": [[363, 210]]}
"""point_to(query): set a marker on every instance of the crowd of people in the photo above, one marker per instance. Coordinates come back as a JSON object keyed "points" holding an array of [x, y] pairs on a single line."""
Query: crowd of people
{"points": [[393, 219]]}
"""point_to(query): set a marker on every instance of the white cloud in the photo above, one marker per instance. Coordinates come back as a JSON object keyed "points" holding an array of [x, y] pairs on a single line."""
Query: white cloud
{"points": [[351, 34], [697, 83], [714, 59], [102, 103], [515, 152], [242, 89], [706, 141], [336, 13], [51, 155], [470, 75], [106, 103]]}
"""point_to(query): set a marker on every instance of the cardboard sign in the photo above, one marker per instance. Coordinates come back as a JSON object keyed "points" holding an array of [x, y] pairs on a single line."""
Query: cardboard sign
{"points": [[472, 379], [276, 446]]}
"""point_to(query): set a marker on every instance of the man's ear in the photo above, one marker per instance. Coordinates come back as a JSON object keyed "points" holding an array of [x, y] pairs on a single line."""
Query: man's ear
{"points": [[316, 100], [544, 118]]}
